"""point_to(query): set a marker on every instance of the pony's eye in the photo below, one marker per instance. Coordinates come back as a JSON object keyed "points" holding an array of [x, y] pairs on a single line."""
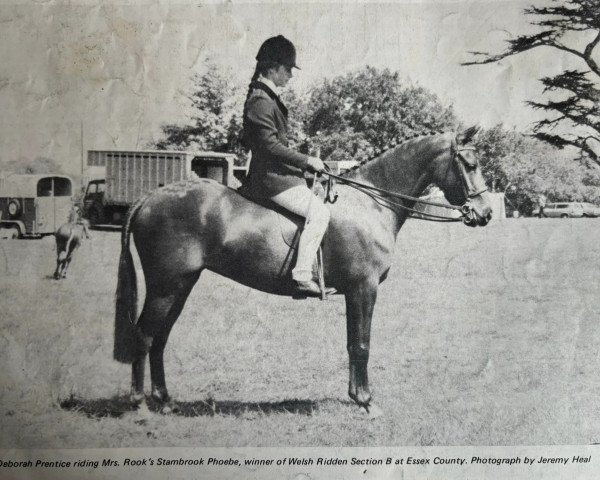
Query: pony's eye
{"points": [[469, 160]]}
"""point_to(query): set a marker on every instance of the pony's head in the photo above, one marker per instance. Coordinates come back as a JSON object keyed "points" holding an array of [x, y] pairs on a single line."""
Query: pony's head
{"points": [[458, 174]]}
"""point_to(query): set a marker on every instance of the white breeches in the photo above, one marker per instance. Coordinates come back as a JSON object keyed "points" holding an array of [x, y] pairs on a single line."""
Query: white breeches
{"points": [[298, 200]]}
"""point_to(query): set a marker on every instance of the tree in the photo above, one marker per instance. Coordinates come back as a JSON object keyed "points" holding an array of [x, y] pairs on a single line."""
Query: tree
{"points": [[363, 113], [574, 118], [214, 115], [524, 167]]}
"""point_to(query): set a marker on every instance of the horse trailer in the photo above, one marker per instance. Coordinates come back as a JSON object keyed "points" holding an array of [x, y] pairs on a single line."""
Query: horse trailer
{"points": [[130, 174], [34, 205]]}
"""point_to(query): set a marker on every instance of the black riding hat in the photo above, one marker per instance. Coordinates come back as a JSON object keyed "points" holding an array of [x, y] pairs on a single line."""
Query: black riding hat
{"points": [[278, 49]]}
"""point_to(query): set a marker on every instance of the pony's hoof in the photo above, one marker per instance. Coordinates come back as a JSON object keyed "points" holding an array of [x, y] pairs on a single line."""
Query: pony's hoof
{"points": [[372, 411], [137, 399], [139, 413], [142, 413]]}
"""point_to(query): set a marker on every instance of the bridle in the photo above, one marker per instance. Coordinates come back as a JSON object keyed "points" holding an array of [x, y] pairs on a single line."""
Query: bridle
{"points": [[470, 190], [382, 196]]}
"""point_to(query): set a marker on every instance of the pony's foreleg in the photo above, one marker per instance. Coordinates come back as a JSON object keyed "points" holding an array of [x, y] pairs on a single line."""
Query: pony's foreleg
{"points": [[359, 311]]}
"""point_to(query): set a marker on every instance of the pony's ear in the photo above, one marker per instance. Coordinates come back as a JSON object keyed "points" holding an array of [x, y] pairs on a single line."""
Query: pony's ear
{"points": [[468, 135]]}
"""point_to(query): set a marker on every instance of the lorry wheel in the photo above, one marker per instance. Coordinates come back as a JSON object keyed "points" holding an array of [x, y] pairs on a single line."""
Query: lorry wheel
{"points": [[564, 215], [14, 208]]}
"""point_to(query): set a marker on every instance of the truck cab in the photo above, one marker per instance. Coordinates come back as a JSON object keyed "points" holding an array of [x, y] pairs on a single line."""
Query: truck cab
{"points": [[93, 201]]}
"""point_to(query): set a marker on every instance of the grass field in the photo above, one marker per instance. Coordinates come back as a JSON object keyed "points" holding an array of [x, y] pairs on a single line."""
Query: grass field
{"points": [[480, 337]]}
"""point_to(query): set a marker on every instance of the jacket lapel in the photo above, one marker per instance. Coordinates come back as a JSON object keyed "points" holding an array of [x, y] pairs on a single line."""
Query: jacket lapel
{"points": [[273, 95]]}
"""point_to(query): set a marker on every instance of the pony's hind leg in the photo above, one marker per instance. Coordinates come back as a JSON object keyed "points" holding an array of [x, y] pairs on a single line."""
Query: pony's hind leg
{"points": [[61, 255], [138, 367], [66, 264], [57, 271], [162, 307]]}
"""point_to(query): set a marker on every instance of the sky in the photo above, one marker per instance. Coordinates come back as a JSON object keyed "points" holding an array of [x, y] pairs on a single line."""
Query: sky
{"points": [[107, 76]]}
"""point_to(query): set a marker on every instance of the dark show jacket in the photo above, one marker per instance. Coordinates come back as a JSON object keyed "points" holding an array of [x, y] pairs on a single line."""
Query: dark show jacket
{"points": [[274, 166]]}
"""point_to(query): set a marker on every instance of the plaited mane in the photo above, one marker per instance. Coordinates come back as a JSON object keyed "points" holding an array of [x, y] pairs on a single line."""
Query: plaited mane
{"points": [[394, 145]]}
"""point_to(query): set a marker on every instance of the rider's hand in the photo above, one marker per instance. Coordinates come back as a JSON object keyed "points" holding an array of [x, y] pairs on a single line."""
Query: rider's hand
{"points": [[315, 164]]}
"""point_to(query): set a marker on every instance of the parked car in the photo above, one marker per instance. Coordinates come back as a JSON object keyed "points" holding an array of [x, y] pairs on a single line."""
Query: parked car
{"points": [[591, 210], [562, 210]]}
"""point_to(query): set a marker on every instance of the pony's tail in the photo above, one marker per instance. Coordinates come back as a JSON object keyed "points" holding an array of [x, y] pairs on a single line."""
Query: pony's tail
{"points": [[128, 341]]}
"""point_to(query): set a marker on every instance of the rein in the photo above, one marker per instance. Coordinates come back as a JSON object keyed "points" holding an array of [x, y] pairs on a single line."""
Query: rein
{"points": [[364, 187], [379, 194]]}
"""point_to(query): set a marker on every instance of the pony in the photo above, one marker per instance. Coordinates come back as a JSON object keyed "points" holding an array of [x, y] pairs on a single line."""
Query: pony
{"points": [[182, 229], [69, 237]]}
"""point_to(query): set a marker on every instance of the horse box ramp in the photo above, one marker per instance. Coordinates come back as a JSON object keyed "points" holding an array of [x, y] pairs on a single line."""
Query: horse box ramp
{"points": [[131, 174]]}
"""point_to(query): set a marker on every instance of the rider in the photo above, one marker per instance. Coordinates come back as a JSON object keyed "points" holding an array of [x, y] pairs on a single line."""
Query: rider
{"points": [[276, 171]]}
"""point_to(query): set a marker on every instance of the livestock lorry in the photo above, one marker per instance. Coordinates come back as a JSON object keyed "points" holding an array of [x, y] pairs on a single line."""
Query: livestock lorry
{"points": [[131, 174]]}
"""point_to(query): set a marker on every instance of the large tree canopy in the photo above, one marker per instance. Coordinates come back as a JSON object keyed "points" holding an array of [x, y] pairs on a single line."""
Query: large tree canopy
{"points": [[358, 115], [573, 107]]}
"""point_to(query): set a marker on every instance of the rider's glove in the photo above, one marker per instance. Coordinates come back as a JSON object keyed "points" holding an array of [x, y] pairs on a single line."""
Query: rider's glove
{"points": [[315, 164]]}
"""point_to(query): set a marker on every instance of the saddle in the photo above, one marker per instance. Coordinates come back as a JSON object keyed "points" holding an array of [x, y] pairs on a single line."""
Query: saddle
{"points": [[292, 237], [289, 237]]}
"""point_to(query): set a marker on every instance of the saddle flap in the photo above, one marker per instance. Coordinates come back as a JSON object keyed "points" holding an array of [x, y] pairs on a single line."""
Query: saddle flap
{"points": [[290, 235]]}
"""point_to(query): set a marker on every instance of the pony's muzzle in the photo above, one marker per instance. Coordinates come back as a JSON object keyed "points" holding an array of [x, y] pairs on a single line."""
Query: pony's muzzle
{"points": [[477, 211], [468, 215]]}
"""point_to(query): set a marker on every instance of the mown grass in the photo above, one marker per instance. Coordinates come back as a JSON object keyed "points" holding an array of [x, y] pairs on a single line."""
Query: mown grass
{"points": [[480, 337]]}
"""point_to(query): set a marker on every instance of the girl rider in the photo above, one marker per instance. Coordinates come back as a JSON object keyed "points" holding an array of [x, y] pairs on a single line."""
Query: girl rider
{"points": [[276, 171]]}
